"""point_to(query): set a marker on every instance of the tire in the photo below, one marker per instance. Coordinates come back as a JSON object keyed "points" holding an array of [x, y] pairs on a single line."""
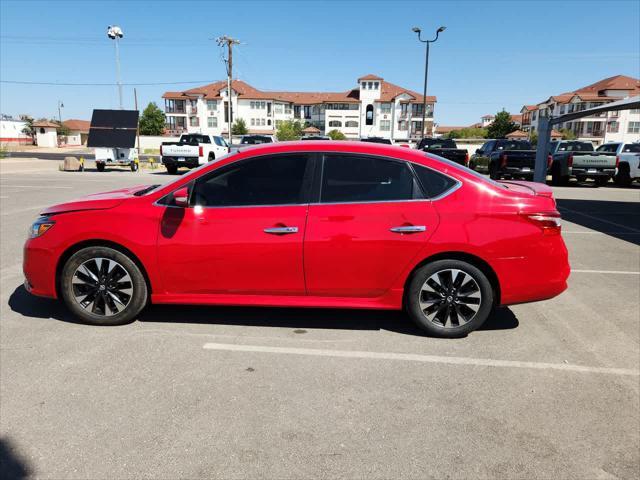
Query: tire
{"points": [[493, 172], [80, 282], [556, 175], [100, 167], [423, 295], [212, 157], [134, 167], [601, 181], [623, 177], [581, 178], [172, 169]]}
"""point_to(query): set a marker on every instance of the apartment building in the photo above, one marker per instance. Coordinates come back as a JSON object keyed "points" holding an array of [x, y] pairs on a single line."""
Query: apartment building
{"points": [[604, 127], [374, 108]]}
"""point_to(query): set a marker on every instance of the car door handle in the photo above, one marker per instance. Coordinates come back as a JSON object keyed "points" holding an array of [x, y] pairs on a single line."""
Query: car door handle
{"points": [[409, 229], [281, 230]]}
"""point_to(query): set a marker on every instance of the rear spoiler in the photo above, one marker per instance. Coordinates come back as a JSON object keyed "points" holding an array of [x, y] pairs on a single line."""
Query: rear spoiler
{"points": [[539, 189]]}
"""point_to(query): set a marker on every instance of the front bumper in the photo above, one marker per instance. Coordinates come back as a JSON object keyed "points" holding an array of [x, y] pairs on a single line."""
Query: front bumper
{"points": [[38, 266]]}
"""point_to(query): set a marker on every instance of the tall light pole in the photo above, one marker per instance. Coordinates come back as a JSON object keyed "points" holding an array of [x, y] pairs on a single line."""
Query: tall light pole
{"points": [[426, 72], [60, 105], [114, 32], [229, 42]]}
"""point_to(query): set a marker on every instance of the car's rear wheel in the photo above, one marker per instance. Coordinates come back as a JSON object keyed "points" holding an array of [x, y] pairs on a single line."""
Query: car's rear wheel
{"points": [[493, 172], [134, 166], [172, 169], [623, 177], [601, 181], [449, 298], [556, 175], [103, 286]]}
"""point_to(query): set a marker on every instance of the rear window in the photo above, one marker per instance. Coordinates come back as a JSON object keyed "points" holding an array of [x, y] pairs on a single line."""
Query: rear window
{"points": [[193, 139], [255, 140], [576, 147], [433, 183], [385, 141], [513, 145], [437, 143]]}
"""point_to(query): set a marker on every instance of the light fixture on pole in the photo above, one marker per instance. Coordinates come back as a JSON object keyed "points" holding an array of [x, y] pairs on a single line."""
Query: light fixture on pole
{"points": [[60, 105], [426, 71], [114, 32]]}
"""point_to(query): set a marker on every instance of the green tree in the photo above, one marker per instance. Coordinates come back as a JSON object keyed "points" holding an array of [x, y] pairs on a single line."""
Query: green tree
{"points": [[28, 128], [567, 134], [152, 120], [501, 126], [289, 130], [337, 135], [533, 138], [469, 132], [239, 127], [62, 129]]}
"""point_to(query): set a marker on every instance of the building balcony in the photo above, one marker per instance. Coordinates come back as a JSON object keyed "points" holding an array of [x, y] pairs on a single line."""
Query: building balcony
{"points": [[175, 110]]}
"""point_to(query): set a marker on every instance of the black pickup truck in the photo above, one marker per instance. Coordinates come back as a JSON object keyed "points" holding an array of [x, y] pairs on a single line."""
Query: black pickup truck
{"points": [[505, 158], [446, 148]]}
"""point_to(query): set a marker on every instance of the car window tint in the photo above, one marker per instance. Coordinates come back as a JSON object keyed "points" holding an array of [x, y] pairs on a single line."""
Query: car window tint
{"points": [[219, 141], [272, 180], [632, 148], [433, 183], [352, 178]]}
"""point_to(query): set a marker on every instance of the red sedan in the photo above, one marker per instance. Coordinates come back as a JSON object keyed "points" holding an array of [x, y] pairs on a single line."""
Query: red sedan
{"points": [[306, 224]]}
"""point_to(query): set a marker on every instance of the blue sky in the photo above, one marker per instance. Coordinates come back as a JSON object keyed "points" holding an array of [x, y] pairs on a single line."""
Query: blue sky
{"points": [[493, 55]]}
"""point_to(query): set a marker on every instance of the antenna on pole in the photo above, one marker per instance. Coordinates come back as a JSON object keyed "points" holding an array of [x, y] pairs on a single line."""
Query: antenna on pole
{"points": [[229, 42]]}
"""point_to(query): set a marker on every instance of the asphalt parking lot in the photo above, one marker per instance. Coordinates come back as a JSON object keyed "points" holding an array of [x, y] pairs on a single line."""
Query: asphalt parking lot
{"points": [[544, 390]]}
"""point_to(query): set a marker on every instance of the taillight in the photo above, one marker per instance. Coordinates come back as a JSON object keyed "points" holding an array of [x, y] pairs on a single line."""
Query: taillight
{"points": [[200, 151], [617, 161], [570, 160], [549, 222], [160, 150], [466, 159], [503, 160], [549, 160]]}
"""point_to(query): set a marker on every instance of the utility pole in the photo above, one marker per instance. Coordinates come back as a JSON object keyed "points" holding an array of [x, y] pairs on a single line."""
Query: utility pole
{"points": [[229, 42], [60, 105], [135, 97]]}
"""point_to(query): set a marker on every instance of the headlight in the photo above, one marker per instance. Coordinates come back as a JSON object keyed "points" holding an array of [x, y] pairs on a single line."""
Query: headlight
{"points": [[40, 227]]}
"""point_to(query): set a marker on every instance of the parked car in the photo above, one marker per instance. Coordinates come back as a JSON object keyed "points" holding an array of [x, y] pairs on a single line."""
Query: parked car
{"points": [[505, 158], [380, 227], [315, 137], [573, 158], [256, 139], [627, 161], [384, 141], [446, 148], [192, 150]]}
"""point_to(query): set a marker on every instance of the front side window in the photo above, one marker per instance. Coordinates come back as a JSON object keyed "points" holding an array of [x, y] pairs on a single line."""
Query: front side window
{"points": [[352, 178], [273, 180]]}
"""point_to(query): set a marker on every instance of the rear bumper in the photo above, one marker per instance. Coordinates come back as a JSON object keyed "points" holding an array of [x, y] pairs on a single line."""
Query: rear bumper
{"points": [[526, 172], [592, 172], [540, 275], [190, 162]]}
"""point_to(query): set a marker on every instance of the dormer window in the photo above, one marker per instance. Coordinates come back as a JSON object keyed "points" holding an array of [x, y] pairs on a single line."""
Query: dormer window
{"points": [[375, 85]]}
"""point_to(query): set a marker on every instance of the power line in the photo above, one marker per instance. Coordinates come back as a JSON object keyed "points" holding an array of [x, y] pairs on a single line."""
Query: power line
{"points": [[66, 84]]}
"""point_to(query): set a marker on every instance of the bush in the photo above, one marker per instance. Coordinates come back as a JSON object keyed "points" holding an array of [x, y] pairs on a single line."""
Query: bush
{"points": [[336, 135], [289, 130], [152, 120], [239, 127]]}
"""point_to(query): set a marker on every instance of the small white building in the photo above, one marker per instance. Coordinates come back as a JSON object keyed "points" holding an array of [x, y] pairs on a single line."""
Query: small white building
{"points": [[46, 133], [374, 108], [11, 131], [78, 132]]}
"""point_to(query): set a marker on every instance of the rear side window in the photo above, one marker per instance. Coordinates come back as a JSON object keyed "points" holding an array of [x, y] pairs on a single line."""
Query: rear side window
{"points": [[353, 178], [610, 148], [631, 147], [273, 180], [434, 184]]}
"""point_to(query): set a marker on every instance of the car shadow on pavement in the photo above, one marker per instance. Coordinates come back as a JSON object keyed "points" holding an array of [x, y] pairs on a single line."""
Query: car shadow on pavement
{"points": [[12, 467], [617, 219], [25, 304]]}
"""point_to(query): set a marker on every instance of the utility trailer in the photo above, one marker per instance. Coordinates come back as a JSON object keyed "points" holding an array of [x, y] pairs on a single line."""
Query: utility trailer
{"points": [[113, 136]]}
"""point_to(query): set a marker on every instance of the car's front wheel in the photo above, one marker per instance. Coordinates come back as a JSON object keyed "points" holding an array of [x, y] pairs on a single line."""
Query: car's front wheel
{"points": [[103, 286], [449, 298]]}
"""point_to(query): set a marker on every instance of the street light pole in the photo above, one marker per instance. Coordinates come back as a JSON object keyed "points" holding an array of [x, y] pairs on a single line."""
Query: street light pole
{"points": [[60, 105], [426, 72], [115, 33]]}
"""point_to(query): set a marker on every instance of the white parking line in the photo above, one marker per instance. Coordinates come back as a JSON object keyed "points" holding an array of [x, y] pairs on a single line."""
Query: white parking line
{"points": [[47, 187], [23, 210], [577, 232], [614, 272], [411, 357], [619, 225]]}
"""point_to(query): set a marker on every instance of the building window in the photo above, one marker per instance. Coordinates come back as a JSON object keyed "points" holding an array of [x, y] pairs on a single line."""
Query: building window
{"points": [[562, 108], [404, 109], [278, 108], [252, 105], [417, 109], [634, 111], [212, 122], [613, 127], [385, 125], [42, 130], [402, 125], [307, 111], [335, 123], [253, 122], [269, 122], [385, 108], [287, 109], [212, 104], [351, 124], [369, 115], [263, 122], [634, 127], [375, 85], [533, 115], [194, 122]]}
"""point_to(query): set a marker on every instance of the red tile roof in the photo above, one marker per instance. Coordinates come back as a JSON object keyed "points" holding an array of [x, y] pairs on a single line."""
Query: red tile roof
{"points": [[311, 129], [77, 125], [446, 129], [617, 82], [45, 124], [370, 77], [517, 134]]}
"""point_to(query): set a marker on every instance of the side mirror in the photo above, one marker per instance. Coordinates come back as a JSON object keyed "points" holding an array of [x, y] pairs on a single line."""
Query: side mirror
{"points": [[181, 197]]}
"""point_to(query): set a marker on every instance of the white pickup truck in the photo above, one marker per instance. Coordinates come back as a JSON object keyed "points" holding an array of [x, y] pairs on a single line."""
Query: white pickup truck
{"points": [[192, 150], [627, 161]]}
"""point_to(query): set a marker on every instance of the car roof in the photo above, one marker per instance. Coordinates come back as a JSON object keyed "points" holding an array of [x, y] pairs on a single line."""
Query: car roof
{"points": [[334, 146]]}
